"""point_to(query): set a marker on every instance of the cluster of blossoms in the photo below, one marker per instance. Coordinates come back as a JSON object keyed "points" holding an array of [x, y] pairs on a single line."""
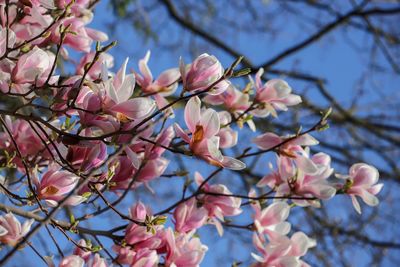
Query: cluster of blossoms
{"points": [[95, 135]]}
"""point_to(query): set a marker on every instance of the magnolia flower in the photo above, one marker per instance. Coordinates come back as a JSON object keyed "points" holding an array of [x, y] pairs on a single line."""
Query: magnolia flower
{"points": [[227, 136], [87, 156], [138, 235], [145, 158], [234, 101], [291, 149], [217, 206], [123, 171], [36, 19], [289, 180], [113, 96], [83, 37], [33, 66], [188, 216], [271, 220], [97, 261], [142, 241], [96, 70], [204, 71], [362, 182], [141, 257], [136, 258], [3, 38], [29, 143], [85, 255], [118, 92], [313, 185], [55, 185], [166, 83], [183, 250], [11, 230], [163, 140], [273, 95], [5, 75], [152, 169], [282, 252], [204, 142], [72, 261]]}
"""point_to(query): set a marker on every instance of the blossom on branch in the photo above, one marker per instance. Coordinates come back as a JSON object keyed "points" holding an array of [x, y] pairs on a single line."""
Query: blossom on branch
{"points": [[165, 85], [203, 72], [55, 185], [11, 231], [273, 95], [362, 182], [204, 142]]}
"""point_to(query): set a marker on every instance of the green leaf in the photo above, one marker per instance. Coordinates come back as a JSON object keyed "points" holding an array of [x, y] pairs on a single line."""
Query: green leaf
{"points": [[241, 72], [72, 218]]}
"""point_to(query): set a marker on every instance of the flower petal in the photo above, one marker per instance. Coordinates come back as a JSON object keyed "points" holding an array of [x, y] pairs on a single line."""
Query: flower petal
{"points": [[192, 113], [233, 164], [135, 108]]}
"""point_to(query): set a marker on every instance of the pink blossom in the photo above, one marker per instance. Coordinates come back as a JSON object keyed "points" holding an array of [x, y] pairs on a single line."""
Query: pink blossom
{"points": [[33, 66], [97, 261], [282, 252], [273, 95], [188, 216], [232, 98], [3, 38], [235, 101], [163, 140], [34, 21], [166, 83], [11, 230], [292, 149], [72, 261], [138, 235], [135, 108], [86, 156], [312, 185], [218, 206], [183, 250], [137, 258], [202, 73], [362, 182], [227, 136], [291, 181], [6, 68], [141, 242], [152, 169], [55, 185], [124, 171], [204, 143], [28, 142], [77, 6], [83, 37], [90, 102], [272, 219], [85, 255], [113, 96], [118, 91], [146, 154], [96, 69], [120, 87]]}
